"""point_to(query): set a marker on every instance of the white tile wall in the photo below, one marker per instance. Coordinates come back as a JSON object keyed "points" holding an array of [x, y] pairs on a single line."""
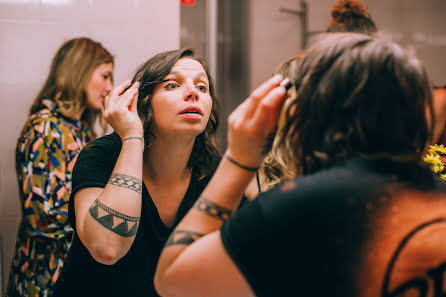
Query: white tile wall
{"points": [[30, 33]]}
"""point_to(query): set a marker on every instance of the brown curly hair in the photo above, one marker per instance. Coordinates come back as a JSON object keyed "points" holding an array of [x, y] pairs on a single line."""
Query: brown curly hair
{"points": [[351, 16]]}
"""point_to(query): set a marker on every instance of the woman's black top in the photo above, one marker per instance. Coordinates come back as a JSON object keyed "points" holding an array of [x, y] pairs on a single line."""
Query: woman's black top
{"points": [[133, 274], [361, 228]]}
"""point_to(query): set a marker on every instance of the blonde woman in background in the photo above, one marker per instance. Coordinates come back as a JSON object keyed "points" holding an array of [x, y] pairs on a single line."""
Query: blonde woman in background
{"points": [[60, 124]]}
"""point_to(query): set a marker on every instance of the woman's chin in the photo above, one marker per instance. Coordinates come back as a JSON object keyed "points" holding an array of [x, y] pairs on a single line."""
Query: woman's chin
{"points": [[96, 107]]}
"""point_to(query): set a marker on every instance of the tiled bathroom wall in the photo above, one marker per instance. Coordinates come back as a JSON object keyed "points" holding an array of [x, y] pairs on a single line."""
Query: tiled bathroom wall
{"points": [[30, 33]]}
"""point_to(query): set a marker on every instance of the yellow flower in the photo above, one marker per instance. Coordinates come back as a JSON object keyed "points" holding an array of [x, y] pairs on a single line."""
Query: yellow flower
{"points": [[437, 149], [432, 159], [437, 168]]}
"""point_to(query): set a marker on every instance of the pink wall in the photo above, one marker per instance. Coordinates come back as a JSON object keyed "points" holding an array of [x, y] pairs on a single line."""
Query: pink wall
{"points": [[30, 33], [275, 36]]}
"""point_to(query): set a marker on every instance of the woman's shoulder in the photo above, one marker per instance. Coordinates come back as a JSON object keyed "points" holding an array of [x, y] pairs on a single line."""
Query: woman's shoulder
{"points": [[42, 122], [42, 116], [49, 120], [110, 140], [108, 146]]}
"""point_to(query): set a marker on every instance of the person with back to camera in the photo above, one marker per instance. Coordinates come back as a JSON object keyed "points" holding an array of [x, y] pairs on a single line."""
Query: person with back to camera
{"points": [[346, 16], [60, 123], [367, 218], [132, 187]]}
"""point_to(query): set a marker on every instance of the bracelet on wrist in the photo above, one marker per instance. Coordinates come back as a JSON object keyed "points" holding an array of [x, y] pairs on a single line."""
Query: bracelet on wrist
{"points": [[134, 138], [247, 168]]}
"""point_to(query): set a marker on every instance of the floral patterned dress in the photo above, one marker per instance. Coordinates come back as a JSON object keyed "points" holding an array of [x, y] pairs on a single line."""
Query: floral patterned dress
{"points": [[45, 155]]}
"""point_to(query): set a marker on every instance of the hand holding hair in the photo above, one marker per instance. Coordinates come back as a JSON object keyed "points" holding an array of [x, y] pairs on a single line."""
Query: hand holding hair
{"points": [[250, 125]]}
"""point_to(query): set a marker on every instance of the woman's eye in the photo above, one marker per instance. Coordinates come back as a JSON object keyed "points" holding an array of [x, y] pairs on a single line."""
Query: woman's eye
{"points": [[202, 88], [171, 86], [106, 77]]}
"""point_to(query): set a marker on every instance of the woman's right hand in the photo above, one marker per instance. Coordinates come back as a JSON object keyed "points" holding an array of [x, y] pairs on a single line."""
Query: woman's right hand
{"points": [[254, 122], [120, 110]]}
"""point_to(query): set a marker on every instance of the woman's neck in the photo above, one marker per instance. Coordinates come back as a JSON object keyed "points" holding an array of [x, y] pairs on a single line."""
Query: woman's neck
{"points": [[165, 161]]}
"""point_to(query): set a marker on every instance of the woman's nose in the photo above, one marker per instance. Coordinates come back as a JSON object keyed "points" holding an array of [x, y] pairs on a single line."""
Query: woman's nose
{"points": [[108, 86], [191, 93]]}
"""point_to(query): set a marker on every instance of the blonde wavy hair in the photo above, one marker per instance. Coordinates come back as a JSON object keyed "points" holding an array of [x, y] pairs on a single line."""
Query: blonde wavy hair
{"points": [[274, 166], [70, 72]]}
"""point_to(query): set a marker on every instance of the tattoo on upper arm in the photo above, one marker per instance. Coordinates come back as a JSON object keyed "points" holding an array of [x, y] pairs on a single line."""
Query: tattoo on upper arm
{"points": [[113, 220], [212, 209], [126, 181], [179, 237]]}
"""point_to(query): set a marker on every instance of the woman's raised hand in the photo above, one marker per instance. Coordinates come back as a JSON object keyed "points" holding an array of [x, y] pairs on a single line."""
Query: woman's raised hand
{"points": [[120, 110], [252, 124]]}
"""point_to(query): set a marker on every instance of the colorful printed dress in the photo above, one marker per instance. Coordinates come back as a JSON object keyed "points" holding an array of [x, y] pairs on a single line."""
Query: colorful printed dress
{"points": [[45, 155]]}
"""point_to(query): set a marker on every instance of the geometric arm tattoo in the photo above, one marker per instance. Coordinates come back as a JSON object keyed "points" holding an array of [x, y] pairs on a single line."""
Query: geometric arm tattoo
{"points": [[126, 181], [185, 237], [182, 237], [212, 209], [114, 221]]}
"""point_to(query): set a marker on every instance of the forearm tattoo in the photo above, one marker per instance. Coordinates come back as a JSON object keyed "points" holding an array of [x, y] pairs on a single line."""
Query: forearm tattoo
{"points": [[182, 237], [212, 209], [126, 181], [113, 220]]}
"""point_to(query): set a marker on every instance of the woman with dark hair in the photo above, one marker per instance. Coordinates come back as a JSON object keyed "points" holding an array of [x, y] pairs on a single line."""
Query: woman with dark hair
{"points": [[132, 187], [60, 124], [366, 219], [351, 16]]}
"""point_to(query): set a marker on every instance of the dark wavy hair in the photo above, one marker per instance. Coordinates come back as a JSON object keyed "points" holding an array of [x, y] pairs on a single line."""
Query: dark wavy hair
{"points": [[351, 16], [358, 95], [205, 150]]}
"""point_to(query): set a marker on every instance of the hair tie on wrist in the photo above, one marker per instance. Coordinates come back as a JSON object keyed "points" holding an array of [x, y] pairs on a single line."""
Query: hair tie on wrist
{"points": [[134, 137], [252, 169]]}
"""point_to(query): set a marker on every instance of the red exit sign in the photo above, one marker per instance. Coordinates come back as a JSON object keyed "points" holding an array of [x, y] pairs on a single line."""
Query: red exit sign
{"points": [[188, 2]]}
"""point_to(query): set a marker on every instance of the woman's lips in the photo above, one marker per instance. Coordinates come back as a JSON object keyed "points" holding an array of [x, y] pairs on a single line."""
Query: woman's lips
{"points": [[192, 112]]}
